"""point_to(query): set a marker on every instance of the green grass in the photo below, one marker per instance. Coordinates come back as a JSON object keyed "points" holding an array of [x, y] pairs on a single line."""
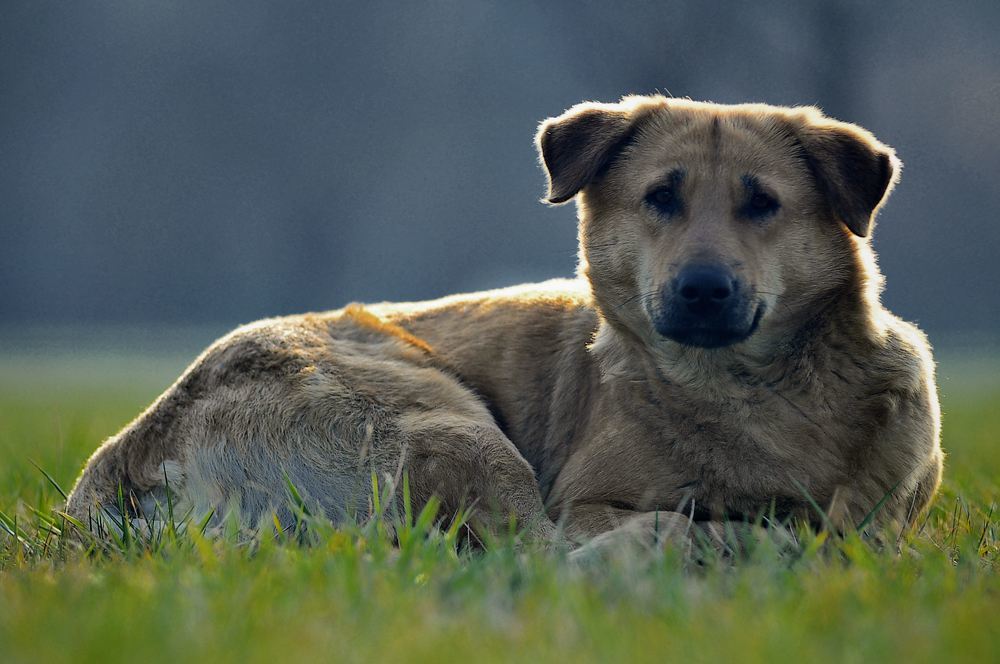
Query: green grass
{"points": [[349, 595]]}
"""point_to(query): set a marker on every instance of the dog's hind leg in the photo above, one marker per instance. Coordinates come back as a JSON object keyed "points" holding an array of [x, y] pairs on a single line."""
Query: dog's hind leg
{"points": [[132, 470], [106, 494]]}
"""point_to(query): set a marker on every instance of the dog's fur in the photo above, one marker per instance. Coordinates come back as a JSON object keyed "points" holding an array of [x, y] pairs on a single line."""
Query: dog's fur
{"points": [[571, 402]]}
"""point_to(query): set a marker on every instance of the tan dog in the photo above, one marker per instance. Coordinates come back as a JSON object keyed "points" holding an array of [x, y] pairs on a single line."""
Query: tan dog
{"points": [[722, 354]]}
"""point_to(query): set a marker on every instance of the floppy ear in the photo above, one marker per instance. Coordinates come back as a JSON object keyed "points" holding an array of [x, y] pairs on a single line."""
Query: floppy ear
{"points": [[854, 171], [575, 146]]}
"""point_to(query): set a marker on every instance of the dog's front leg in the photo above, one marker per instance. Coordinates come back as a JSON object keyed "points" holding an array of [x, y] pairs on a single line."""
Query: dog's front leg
{"points": [[603, 525], [602, 530]]}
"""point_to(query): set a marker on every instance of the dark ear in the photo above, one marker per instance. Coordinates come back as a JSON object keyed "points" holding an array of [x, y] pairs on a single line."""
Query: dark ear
{"points": [[854, 171], [577, 144]]}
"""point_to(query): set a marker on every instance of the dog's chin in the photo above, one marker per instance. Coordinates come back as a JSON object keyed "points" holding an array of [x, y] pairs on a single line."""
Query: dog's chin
{"points": [[710, 336]]}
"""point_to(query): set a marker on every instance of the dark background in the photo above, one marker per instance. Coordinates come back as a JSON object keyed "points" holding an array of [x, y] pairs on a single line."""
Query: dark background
{"points": [[203, 163]]}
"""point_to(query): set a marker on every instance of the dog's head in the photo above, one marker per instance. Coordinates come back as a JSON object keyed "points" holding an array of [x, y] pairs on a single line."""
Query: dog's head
{"points": [[702, 223]]}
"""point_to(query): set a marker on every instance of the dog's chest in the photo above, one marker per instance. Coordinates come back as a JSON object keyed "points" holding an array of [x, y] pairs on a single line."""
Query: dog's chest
{"points": [[735, 456]]}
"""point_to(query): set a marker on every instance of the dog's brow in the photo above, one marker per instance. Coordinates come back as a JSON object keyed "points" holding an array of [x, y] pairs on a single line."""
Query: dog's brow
{"points": [[673, 178], [751, 182]]}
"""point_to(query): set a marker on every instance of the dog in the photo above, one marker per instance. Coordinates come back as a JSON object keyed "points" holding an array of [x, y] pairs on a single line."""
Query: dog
{"points": [[722, 354]]}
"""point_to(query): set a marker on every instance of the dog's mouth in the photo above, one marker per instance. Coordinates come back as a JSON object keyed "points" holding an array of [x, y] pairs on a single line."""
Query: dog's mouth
{"points": [[709, 332]]}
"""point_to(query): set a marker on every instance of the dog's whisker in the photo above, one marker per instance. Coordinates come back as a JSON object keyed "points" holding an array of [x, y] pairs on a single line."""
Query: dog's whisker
{"points": [[637, 296]]}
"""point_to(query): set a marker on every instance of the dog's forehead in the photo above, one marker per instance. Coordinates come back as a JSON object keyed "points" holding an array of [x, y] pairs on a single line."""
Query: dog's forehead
{"points": [[717, 138]]}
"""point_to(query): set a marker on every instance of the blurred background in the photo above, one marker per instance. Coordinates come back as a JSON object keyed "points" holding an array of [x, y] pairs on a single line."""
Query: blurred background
{"points": [[171, 169]]}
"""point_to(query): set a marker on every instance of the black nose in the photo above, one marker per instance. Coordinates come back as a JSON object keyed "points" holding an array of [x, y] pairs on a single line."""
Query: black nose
{"points": [[705, 289]]}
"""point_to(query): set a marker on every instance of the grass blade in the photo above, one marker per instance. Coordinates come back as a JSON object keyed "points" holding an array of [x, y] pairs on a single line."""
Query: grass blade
{"points": [[51, 479], [875, 510], [819, 510]]}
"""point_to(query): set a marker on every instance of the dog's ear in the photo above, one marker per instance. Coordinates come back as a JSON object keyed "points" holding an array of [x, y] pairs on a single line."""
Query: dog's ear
{"points": [[575, 146], [854, 171]]}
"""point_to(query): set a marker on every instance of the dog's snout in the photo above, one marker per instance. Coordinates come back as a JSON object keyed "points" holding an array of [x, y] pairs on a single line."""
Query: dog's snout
{"points": [[706, 305], [705, 289]]}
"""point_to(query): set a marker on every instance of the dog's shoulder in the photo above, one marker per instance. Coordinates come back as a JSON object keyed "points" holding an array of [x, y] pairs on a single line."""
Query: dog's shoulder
{"points": [[896, 404], [899, 358], [899, 377]]}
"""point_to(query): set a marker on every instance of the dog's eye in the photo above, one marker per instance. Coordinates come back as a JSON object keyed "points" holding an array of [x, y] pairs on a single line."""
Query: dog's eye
{"points": [[664, 199], [664, 196], [758, 204], [761, 205]]}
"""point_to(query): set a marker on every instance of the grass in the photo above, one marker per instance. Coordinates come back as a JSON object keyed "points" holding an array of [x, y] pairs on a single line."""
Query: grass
{"points": [[349, 595]]}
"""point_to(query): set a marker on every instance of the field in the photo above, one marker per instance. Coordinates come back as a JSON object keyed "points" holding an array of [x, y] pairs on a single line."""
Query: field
{"points": [[348, 595]]}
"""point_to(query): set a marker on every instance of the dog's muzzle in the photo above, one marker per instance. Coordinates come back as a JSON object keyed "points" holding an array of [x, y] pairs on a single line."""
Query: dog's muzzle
{"points": [[706, 306]]}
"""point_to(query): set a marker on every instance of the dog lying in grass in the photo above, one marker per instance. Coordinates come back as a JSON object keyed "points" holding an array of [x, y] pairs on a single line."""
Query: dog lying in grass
{"points": [[721, 355]]}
